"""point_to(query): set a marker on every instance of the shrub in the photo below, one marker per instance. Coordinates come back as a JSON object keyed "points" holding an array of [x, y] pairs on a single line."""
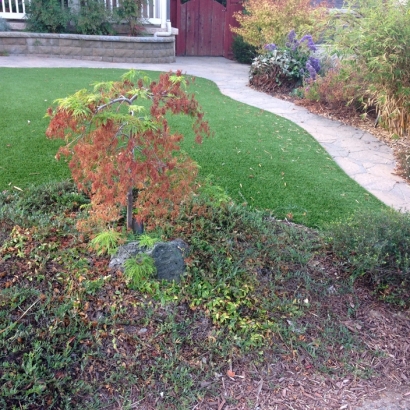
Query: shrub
{"points": [[123, 153], [47, 16], [4, 25], [377, 246], [93, 17], [337, 89], [243, 52], [378, 39], [129, 11], [268, 21], [285, 67]]}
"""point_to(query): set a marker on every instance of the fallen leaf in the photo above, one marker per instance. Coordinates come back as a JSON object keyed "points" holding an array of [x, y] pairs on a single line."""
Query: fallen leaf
{"points": [[230, 373]]}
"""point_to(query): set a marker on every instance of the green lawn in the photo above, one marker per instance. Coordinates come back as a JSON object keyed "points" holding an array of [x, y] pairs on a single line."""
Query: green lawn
{"points": [[258, 157]]}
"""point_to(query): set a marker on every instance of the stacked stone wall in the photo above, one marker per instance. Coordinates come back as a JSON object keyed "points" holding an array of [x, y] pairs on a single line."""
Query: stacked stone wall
{"points": [[118, 49]]}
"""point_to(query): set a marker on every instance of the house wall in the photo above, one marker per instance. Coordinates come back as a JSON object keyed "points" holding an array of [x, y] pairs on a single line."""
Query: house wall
{"points": [[118, 49]]}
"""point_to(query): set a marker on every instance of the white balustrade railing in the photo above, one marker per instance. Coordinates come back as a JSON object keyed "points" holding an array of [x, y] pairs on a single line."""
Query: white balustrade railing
{"points": [[152, 12], [12, 9]]}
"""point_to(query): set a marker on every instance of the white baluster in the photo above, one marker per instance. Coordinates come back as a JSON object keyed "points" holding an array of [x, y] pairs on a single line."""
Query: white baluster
{"points": [[163, 13]]}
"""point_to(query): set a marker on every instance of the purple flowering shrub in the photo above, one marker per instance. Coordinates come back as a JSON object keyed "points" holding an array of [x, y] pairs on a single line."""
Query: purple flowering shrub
{"points": [[301, 51], [285, 67]]}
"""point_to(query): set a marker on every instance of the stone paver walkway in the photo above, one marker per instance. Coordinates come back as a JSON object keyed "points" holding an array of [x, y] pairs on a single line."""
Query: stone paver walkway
{"points": [[362, 156]]}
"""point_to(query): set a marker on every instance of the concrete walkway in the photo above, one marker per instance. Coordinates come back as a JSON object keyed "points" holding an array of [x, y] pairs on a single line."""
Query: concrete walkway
{"points": [[364, 158]]}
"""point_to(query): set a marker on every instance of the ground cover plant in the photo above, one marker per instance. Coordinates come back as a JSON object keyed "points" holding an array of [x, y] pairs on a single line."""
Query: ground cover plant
{"points": [[261, 299], [257, 157]]}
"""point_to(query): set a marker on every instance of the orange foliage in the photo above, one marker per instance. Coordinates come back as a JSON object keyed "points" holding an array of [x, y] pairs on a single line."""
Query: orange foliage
{"points": [[110, 156]]}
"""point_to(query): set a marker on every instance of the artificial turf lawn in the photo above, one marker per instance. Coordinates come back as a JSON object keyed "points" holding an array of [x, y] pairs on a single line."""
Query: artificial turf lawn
{"points": [[258, 157]]}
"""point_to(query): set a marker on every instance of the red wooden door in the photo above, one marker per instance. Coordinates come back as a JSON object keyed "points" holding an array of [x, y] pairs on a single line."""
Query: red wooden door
{"points": [[204, 27]]}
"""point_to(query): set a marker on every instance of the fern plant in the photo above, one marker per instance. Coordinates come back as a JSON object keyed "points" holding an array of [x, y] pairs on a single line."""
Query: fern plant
{"points": [[147, 241], [106, 242], [138, 270]]}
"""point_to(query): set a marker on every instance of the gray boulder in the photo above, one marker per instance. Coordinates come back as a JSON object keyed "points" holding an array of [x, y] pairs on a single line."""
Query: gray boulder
{"points": [[127, 251], [168, 257]]}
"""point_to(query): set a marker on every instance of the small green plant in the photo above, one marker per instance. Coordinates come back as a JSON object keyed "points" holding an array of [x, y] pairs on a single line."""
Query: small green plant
{"points": [[213, 194], [138, 270], [93, 286], [298, 93], [106, 242], [147, 240]]}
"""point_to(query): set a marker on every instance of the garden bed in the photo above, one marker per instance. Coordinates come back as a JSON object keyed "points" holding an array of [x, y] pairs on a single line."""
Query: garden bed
{"points": [[119, 49]]}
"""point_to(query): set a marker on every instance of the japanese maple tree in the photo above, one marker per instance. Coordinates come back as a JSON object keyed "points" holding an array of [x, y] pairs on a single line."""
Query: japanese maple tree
{"points": [[121, 149]]}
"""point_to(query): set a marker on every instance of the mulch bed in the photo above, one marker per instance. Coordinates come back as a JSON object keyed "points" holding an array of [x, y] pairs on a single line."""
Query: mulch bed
{"points": [[288, 383]]}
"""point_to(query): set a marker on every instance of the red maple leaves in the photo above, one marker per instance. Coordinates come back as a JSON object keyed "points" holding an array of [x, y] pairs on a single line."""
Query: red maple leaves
{"points": [[117, 147]]}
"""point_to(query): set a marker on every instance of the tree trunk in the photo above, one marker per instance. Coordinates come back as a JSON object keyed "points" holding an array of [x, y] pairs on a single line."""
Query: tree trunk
{"points": [[132, 224]]}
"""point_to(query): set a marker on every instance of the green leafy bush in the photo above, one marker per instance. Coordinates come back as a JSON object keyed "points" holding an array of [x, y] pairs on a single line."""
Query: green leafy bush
{"points": [[377, 246], [47, 16], [50, 16], [147, 240], [129, 12], [93, 17], [106, 242], [243, 52], [374, 39]]}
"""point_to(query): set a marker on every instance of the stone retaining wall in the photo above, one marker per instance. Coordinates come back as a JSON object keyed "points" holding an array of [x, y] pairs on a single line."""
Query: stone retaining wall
{"points": [[117, 49]]}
